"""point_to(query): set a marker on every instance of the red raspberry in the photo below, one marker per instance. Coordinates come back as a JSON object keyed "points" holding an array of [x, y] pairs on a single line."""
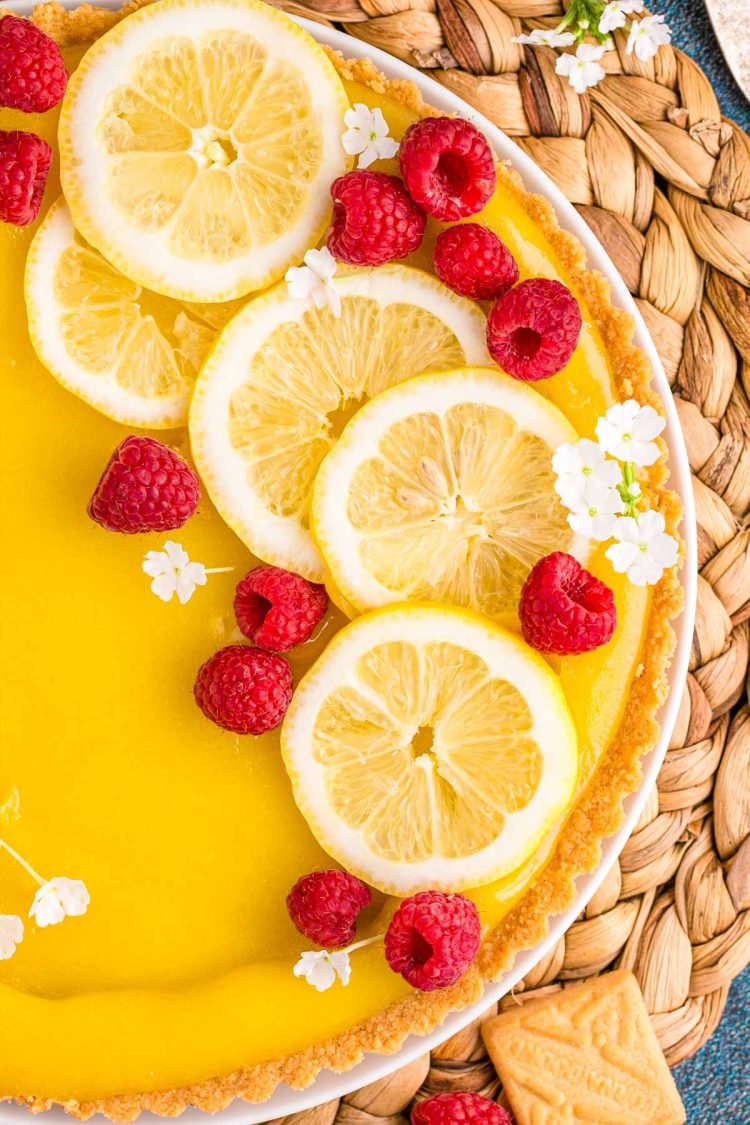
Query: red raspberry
{"points": [[145, 487], [24, 165], [533, 329], [374, 221], [459, 1109], [448, 167], [324, 907], [564, 609], [32, 72], [432, 939], [244, 689], [278, 609], [473, 261]]}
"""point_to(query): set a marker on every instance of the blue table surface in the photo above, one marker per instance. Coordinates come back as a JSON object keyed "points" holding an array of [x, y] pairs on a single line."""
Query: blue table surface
{"points": [[715, 1083], [692, 33]]}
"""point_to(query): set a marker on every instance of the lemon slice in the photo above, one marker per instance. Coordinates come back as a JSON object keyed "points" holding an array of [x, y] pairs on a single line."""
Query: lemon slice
{"points": [[442, 489], [131, 354], [428, 747], [284, 377], [198, 142]]}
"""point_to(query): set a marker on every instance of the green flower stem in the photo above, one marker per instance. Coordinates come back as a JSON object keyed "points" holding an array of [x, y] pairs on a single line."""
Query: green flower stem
{"points": [[26, 866], [582, 19], [624, 488]]}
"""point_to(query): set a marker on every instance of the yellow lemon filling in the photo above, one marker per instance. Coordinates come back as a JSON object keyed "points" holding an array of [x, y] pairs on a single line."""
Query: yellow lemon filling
{"points": [[188, 837]]}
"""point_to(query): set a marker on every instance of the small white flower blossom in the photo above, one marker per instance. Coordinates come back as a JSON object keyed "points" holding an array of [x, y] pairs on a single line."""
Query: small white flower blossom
{"points": [[315, 280], [173, 573], [57, 899], [367, 135], [582, 69], [321, 968], [11, 935], [595, 513], [647, 36], [542, 38], [643, 550], [577, 465], [614, 14], [627, 431]]}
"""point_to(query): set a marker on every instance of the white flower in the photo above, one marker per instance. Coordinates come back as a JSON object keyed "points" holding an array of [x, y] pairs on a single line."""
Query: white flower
{"points": [[367, 134], [541, 38], [614, 14], [173, 572], [11, 934], [643, 550], [595, 513], [57, 899], [647, 36], [314, 281], [321, 968], [582, 69], [627, 431], [577, 465]]}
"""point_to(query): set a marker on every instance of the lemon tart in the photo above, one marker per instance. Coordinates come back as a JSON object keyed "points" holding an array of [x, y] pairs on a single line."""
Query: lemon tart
{"points": [[175, 986]]}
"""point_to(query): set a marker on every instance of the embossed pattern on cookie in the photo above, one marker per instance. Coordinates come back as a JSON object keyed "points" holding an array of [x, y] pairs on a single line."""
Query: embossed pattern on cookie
{"points": [[587, 1055]]}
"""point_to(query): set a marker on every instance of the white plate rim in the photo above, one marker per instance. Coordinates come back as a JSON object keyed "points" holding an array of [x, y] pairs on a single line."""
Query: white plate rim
{"points": [[329, 1085]]}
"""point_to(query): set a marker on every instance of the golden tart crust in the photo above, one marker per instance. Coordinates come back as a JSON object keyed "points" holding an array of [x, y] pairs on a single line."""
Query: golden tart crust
{"points": [[598, 812]]}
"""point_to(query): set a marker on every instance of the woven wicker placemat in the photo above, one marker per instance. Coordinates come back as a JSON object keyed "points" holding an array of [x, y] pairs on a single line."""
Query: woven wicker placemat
{"points": [[664, 181]]}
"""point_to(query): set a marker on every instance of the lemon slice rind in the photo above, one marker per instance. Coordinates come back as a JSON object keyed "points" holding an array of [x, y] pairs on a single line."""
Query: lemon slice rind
{"points": [[106, 66], [507, 658]]}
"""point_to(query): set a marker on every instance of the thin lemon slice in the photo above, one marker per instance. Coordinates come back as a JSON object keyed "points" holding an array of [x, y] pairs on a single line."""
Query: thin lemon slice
{"points": [[428, 747], [284, 377], [198, 142], [442, 489], [130, 353]]}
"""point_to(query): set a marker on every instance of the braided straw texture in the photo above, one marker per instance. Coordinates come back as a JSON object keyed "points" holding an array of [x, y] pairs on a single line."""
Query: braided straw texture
{"points": [[664, 181]]}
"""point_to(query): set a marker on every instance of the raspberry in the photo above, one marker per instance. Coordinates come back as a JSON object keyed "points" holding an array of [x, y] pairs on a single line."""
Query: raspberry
{"points": [[278, 609], [374, 221], [459, 1109], [32, 72], [448, 167], [432, 939], [564, 609], [324, 907], [473, 261], [24, 165], [145, 487], [533, 329], [244, 689]]}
